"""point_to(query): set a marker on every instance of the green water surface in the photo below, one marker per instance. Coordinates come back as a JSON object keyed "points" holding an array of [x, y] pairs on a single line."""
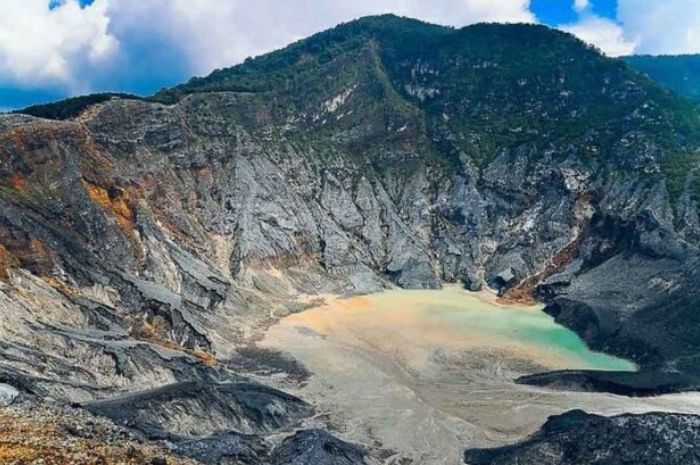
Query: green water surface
{"points": [[530, 327]]}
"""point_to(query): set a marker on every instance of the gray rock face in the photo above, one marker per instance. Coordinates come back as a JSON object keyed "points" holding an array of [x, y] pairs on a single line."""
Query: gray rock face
{"points": [[152, 240], [577, 438], [183, 237]]}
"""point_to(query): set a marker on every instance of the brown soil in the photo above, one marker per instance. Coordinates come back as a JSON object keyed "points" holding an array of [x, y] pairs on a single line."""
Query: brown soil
{"points": [[48, 436], [523, 292]]}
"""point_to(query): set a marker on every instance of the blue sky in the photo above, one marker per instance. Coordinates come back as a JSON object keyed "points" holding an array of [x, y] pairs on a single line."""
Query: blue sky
{"points": [[50, 49], [556, 12]]}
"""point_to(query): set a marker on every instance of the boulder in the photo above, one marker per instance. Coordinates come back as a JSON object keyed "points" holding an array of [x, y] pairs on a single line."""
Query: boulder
{"points": [[472, 282], [8, 395]]}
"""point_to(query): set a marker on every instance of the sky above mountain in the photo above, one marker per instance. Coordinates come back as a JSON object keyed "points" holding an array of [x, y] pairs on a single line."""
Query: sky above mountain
{"points": [[50, 49]]}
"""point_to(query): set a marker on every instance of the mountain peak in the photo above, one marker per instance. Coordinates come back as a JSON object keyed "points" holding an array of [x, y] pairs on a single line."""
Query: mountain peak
{"points": [[399, 38]]}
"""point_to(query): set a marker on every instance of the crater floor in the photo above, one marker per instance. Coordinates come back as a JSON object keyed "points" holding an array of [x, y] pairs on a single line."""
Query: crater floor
{"points": [[428, 373]]}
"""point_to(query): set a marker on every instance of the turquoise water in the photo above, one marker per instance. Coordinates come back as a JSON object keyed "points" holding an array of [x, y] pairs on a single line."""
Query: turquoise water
{"points": [[420, 323], [527, 327]]}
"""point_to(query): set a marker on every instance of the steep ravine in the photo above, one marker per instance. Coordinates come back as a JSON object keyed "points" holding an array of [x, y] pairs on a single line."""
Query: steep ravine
{"points": [[143, 244]]}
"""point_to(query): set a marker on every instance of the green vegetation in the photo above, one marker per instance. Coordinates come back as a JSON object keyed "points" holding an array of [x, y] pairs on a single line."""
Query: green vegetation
{"points": [[279, 70], [72, 107], [679, 73]]}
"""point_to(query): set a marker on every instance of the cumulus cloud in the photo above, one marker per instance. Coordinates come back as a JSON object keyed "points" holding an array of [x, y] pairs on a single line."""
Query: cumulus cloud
{"points": [[40, 46], [641, 26], [605, 34], [661, 27]]}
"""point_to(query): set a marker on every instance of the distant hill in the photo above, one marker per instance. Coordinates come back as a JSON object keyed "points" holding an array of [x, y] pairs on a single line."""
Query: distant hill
{"points": [[679, 73]]}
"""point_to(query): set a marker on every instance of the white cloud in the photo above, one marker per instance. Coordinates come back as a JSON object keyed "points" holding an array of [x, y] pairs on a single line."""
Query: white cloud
{"points": [[642, 26], [603, 33], [461, 13], [39, 46], [662, 26]]}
